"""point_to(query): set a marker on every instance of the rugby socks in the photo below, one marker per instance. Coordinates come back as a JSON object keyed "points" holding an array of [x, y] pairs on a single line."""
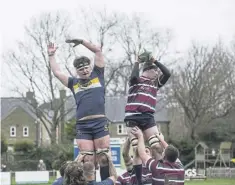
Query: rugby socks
{"points": [[138, 173], [104, 172]]}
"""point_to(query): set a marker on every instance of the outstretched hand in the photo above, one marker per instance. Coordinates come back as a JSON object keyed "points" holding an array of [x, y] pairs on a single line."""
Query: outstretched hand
{"points": [[76, 42], [160, 136], [80, 158], [137, 132], [146, 56], [108, 155], [51, 49]]}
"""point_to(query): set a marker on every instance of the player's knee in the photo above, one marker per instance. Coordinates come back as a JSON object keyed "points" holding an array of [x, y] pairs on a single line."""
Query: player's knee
{"points": [[103, 160], [102, 157], [88, 156], [134, 143], [153, 141], [156, 146]]}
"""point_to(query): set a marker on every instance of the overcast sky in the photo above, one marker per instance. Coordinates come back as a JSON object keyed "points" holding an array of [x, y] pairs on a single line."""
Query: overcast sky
{"points": [[202, 20]]}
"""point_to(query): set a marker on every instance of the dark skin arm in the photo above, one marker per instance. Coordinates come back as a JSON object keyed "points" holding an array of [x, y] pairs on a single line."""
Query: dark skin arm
{"points": [[165, 73], [135, 72]]}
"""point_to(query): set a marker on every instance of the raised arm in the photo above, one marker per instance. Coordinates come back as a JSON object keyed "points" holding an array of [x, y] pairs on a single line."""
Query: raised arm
{"points": [[54, 66], [161, 139], [165, 74], [125, 154], [126, 148], [141, 147], [99, 58], [135, 73], [164, 143]]}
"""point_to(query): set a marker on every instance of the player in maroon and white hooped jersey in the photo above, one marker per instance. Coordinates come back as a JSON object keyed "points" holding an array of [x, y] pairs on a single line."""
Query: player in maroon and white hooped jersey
{"points": [[141, 102], [169, 169], [129, 177]]}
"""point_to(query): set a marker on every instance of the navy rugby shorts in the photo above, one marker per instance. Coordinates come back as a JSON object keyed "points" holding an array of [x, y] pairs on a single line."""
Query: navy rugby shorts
{"points": [[143, 121], [92, 129]]}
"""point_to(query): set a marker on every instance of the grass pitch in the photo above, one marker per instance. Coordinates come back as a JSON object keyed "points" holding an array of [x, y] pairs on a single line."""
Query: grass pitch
{"points": [[193, 182]]}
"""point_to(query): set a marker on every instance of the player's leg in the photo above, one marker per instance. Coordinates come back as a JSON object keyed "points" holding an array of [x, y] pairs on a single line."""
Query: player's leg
{"points": [[85, 144], [86, 148], [150, 131], [126, 156], [102, 146], [137, 162]]}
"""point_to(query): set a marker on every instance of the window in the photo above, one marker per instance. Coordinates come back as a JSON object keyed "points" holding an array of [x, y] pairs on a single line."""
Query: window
{"points": [[26, 131], [121, 129], [13, 132]]}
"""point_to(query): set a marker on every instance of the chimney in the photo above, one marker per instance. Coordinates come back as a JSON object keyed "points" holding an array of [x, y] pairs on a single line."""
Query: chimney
{"points": [[30, 95], [30, 98]]}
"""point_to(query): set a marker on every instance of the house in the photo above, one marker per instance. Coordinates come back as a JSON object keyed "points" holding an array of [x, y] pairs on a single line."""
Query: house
{"points": [[19, 121], [56, 108], [115, 112]]}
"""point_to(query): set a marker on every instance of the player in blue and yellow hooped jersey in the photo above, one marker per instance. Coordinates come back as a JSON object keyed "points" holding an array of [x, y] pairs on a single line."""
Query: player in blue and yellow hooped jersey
{"points": [[88, 88]]}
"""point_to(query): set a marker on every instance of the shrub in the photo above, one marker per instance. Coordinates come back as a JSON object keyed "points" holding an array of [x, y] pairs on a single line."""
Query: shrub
{"points": [[70, 130], [53, 156], [27, 157], [23, 146], [3, 144], [186, 149]]}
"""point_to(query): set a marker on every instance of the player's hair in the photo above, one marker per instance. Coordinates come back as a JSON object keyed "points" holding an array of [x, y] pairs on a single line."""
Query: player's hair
{"points": [[80, 61], [63, 167], [171, 153], [73, 174], [149, 65], [88, 169]]}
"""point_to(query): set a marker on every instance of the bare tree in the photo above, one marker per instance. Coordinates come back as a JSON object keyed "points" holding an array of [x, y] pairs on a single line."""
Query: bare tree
{"points": [[100, 27], [204, 87], [31, 70], [121, 38], [29, 63]]}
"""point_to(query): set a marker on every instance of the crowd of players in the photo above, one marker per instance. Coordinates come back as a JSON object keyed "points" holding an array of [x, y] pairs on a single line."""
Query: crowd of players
{"points": [[153, 162], [157, 168]]}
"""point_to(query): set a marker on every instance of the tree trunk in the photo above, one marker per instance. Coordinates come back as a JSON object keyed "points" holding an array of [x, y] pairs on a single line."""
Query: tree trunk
{"points": [[193, 134], [53, 136]]}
